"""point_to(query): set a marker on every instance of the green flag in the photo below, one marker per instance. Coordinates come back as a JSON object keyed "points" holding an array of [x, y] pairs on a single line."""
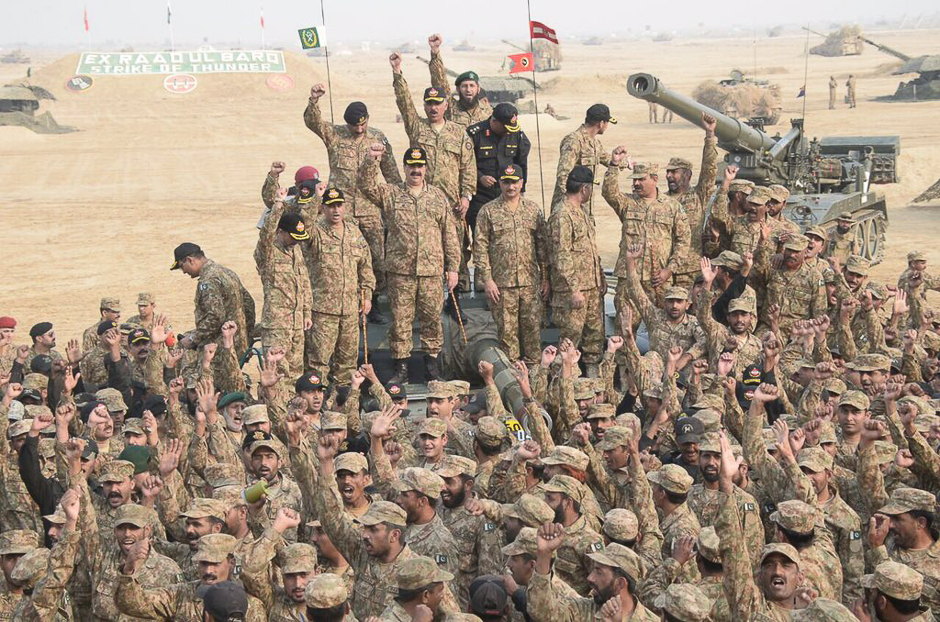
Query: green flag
{"points": [[314, 37]]}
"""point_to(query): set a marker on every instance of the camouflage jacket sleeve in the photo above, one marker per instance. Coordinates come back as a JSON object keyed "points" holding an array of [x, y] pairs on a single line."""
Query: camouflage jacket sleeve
{"points": [[871, 482], [607, 371], [248, 305], [681, 240], [894, 425], [671, 397], [304, 466], [388, 165], [771, 474], [481, 246], [925, 457], [911, 367], [706, 176], [48, 592], [211, 295], [568, 414], [365, 275], [449, 242], [875, 330], [228, 375], [715, 333], [650, 541], [371, 189], [742, 593], [341, 529], [599, 480], [351, 410], [494, 403], [539, 431], [406, 106], [276, 402], [610, 190], [659, 578], [803, 489], [315, 122], [845, 339], [269, 189], [545, 604], [383, 473], [88, 527], [638, 295], [468, 168], [219, 444], [634, 363], [539, 380], [254, 574], [154, 604], [562, 238], [514, 484], [381, 396], [569, 154], [439, 74]]}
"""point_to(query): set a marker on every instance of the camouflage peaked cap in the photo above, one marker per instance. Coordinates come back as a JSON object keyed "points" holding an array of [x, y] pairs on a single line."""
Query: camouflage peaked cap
{"points": [[420, 571], [325, 591], [619, 556], [614, 437], [206, 508], [824, 610], [895, 580], [526, 542], [684, 602], [904, 499], [215, 548], [708, 544], [30, 568], [490, 431], [420, 480], [529, 509], [568, 456], [795, 516], [18, 541], [298, 557], [621, 525], [566, 485], [673, 478], [454, 465]]}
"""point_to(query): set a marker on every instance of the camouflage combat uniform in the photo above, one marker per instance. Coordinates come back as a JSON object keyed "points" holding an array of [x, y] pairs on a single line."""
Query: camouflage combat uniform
{"points": [[663, 333], [221, 297], [478, 548], [801, 295], [693, 202], [705, 504], [465, 117], [509, 248], [578, 149], [841, 245]]}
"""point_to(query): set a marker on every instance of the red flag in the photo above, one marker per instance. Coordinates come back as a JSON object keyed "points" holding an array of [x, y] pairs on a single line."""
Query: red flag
{"points": [[522, 62], [262, 18], [538, 30], [86, 19]]}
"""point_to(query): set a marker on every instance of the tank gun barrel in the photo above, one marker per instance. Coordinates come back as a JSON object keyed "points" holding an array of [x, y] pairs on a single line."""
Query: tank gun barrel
{"points": [[815, 32], [518, 47], [732, 134], [450, 72], [886, 49]]}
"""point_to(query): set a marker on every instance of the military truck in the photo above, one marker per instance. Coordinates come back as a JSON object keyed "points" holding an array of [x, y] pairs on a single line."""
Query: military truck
{"points": [[825, 176]]}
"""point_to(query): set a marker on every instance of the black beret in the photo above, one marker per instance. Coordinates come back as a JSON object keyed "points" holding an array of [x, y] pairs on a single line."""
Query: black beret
{"points": [[356, 113], [40, 329]]}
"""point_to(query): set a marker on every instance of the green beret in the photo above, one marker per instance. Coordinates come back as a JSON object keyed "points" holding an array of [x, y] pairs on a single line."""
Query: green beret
{"points": [[228, 398], [467, 75]]}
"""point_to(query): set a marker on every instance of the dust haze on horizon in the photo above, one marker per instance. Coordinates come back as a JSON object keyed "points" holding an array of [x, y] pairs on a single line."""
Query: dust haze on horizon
{"points": [[143, 23]]}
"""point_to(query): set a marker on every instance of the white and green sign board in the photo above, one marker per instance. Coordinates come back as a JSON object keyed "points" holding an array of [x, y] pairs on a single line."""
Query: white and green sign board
{"points": [[150, 63]]}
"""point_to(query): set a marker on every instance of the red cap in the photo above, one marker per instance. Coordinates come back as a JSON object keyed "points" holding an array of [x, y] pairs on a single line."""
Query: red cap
{"points": [[305, 173], [7, 322]]}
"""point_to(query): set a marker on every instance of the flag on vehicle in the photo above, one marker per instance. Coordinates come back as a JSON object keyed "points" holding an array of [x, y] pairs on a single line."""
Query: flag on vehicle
{"points": [[538, 30], [314, 37], [522, 62], [802, 92]]}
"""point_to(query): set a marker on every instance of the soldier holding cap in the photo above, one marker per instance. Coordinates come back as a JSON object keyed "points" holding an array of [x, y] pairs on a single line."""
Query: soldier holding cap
{"points": [[342, 281], [450, 164], [576, 282], [287, 299], [842, 239], [348, 148], [582, 147], [220, 298], [421, 247], [110, 309], [469, 104], [511, 261]]}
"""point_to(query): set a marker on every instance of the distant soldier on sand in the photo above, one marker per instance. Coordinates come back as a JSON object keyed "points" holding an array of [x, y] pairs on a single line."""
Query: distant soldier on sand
{"points": [[832, 92]]}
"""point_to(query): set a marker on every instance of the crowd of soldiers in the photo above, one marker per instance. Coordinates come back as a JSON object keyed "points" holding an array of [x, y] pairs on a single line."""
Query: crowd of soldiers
{"points": [[771, 455]]}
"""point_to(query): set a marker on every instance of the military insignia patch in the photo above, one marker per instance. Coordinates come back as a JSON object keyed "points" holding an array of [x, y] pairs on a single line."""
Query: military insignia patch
{"points": [[440, 559], [300, 226], [415, 153], [748, 507], [489, 526], [597, 546], [394, 389], [754, 373], [855, 535]]}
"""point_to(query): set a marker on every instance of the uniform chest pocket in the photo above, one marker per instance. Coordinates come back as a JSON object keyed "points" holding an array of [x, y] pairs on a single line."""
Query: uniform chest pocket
{"points": [[451, 146], [347, 157], [660, 220], [633, 223]]}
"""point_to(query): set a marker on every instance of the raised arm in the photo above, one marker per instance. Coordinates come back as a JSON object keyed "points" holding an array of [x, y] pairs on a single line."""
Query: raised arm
{"points": [[406, 105], [314, 120]]}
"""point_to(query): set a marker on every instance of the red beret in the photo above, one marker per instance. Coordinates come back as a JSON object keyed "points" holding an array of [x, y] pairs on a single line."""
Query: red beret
{"points": [[305, 173], [7, 322]]}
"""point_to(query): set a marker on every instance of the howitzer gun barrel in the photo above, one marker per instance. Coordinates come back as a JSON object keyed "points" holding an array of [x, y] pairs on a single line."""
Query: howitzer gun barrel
{"points": [[732, 134]]}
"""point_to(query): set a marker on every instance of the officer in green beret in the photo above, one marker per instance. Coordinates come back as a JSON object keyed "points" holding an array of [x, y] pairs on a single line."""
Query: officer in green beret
{"points": [[469, 105]]}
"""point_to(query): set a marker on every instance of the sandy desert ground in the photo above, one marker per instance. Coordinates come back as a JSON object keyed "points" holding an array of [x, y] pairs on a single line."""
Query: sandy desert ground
{"points": [[98, 212]]}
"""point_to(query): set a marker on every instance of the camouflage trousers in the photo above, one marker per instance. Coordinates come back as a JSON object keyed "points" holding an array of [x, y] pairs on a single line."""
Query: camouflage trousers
{"points": [[584, 326], [373, 230], [292, 340], [518, 316], [406, 296], [333, 346]]}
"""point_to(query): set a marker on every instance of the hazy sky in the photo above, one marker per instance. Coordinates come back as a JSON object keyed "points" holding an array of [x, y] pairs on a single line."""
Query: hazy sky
{"points": [[140, 22]]}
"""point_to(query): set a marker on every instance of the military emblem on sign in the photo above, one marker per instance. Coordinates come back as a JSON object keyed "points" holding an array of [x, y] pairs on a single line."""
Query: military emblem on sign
{"points": [[524, 61], [309, 37]]}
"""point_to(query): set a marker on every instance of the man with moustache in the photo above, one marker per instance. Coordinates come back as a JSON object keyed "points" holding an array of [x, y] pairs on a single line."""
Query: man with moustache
{"points": [[741, 314], [841, 243], [264, 463], [468, 105], [796, 289]]}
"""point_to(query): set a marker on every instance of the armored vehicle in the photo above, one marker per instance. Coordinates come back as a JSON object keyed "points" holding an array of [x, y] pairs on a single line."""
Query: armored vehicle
{"points": [[825, 177], [741, 97], [925, 86], [847, 41], [547, 54]]}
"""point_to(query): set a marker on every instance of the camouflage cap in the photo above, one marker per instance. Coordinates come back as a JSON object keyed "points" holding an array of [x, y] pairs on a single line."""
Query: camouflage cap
{"points": [[920, 404], [58, 517], [684, 602], [526, 542], [747, 304], [438, 389], [601, 411], [673, 478], [331, 420], [201, 507], [145, 298], [432, 427], [759, 195], [47, 447], [879, 292], [885, 451], [20, 428], [567, 456], [836, 386], [454, 465], [614, 437], [870, 362], [30, 568], [490, 431], [932, 341], [709, 400], [215, 548], [827, 432], [256, 413], [791, 420], [116, 471], [780, 548], [816, 231], [816, 459], [675, 293], [642, 169], [619, 556], [112, 398], [529, 509], [829, 276], [260, 439], [916, 256], [710, 418], [904, 499], [728, 259], [566, 485], [796, 242], [384, 512], [18, 541], [741, 185], [855, 399], [133, 514], [16, 411], [858, 265], [220, 474], [629, 421], [110, 302], [460, 387], [846, 216], [420, 480], [583, 389], [420, 571], [770, 439], [298, 557], [824, 610], [325, 591], [231, 496], [710, 443], [926, 423], [621, 525], [895, 580], [779, 193], [795, 516], [708, 544], [35, 382], [351, 461], [134, 426], [675, 163]]}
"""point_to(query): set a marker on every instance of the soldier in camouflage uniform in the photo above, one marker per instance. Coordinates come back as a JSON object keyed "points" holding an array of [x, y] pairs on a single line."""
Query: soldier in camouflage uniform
{"points": [[576, 283], [220, 297], [264, 463], [795, 524], [842, 238], [418, 493], [694, 200], [671, 486], [421, 248], [582, 147], [469, 105], [348, 147], [14, 544], [287, 303], [512, 261], [298, 565], [685, 603], [110, 309], [565, 495], [742, 313], [797, 289], [17, 508], [451, 166], [343, 282], [324, 595], [903, 585], [521, 554], [419, 581]]}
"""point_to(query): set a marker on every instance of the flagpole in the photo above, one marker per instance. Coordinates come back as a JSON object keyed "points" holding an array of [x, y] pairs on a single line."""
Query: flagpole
{"points": [[169, 23], [535, 94], [326, 50], [262, 27], [805, 71]]}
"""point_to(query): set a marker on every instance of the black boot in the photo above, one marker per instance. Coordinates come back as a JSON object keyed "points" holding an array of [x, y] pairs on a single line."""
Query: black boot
{"points": [[431, 372], [401, 371], [375, 316]]}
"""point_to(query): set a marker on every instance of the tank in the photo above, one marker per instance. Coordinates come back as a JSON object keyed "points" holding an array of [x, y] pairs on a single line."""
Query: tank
{"points": [[16, 56], [741, 97], [547, 54], [925, 86], [498, 89], [825, 176], [847, 41]]}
